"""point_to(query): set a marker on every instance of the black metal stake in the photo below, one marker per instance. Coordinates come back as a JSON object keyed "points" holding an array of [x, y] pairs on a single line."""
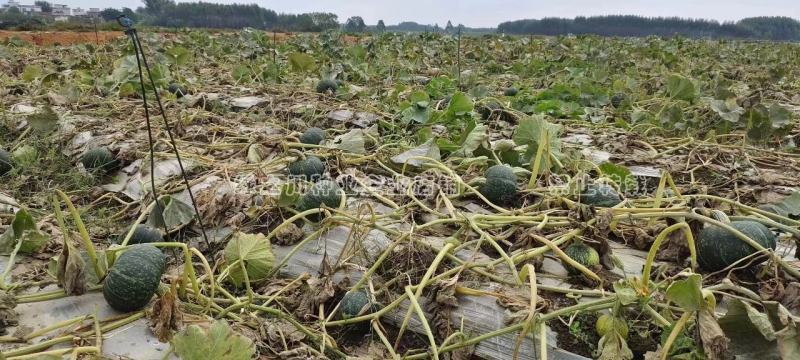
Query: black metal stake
{"points": [[127, 23]]}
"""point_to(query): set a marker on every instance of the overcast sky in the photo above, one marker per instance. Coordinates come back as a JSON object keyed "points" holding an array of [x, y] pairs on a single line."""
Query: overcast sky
{"points": [[488, 13]]}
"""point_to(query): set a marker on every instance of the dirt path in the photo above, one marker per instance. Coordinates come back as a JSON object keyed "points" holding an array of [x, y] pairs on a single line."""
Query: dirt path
{"points": [[62, 37]]}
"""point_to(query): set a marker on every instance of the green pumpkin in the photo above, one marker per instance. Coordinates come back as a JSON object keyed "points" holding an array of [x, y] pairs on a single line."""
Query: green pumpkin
{"points": [[600, 195], [323, 86], [717, 248], [583, 254], [325, 192], [501, 185], [5, 162], [510, 91], [354, 302], [134, 278], [142, 234], [309, 169], [312, 136], [98, 159], [618, 99], [176, 89]]}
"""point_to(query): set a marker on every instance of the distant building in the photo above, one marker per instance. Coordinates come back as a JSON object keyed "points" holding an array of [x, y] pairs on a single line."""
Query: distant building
{"points": [[26, 9], [61, 10]]}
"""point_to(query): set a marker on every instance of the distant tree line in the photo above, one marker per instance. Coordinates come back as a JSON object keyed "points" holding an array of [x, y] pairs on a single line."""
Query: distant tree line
{"points": [[767, 28], [233, 16]]}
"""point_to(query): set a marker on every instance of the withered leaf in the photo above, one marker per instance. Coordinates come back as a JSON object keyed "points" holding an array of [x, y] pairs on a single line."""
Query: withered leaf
{"points": [[71, 268], [165, 316]]}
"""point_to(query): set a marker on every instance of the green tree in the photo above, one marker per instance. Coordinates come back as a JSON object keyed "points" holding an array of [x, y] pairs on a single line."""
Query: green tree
{"points": [[157, 7], [449, 27], [381, 27], [110, 14], [129, 13], [355, 24]]}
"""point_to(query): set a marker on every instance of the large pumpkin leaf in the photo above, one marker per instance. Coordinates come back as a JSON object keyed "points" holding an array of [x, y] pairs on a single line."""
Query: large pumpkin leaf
{"points": [[218, 342], [31, 72], [351, 142], [175, 214], [728, 110], [23, 228], [459, 104], [687, 293], [300, 62], [426, 149], [178, 55], [254, 251], [680, 88]]}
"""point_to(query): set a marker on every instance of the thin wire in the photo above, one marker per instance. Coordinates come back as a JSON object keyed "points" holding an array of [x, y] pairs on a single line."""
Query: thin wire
{"points": [[172, 140], [149, 133]]}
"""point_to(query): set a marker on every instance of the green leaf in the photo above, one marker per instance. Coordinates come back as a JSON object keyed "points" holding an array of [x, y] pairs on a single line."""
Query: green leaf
{"points": [[254, 251], [427, 149], [174, 215], [300, 62], [758, 123], [459, 104], [728, 110], [31, 72], [23, 228], [779, 116], [178, 55], [418, 112], [352, 142], [472, 139], [241, 72], [43, 121], [357, 52], [218, 342], [687, 293], [680, 88], [289, 195], [626, 295], [619, 174]]}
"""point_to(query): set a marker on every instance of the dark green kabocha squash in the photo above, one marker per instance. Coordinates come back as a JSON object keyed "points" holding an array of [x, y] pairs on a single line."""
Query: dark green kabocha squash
{"points": [[501, 185], [325, 192], [142, 234], [490, 108], [601, 195], [356, 303], [718, 248], [583, 254], [510, 91], [133, 279], [98, 159], [5, 162], [177, 89], [312, 136], [323, 86], [618, 99], [309, 169]]}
